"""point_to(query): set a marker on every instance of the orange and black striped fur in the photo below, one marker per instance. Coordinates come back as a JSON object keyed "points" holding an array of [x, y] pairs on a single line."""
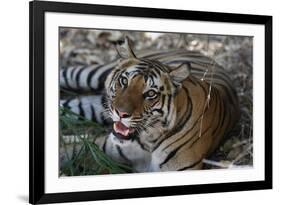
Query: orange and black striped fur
{"points": [[173, 119], [167, 114]]}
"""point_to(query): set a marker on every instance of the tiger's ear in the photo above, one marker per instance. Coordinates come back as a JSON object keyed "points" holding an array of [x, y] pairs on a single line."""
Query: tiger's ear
{"points": [[180, 73], [124, 49]]}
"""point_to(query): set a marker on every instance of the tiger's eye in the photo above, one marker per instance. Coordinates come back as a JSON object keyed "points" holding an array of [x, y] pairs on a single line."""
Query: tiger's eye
{"points": [[151, 94], [123, 81]]}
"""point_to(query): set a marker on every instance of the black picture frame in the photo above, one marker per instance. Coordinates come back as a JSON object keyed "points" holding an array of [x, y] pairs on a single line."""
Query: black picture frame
{"points": [[37, 11]]}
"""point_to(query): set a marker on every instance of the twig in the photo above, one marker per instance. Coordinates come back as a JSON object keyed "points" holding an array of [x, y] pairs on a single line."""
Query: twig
{"points": [[218, 164], [241, 155], [213, 63]]}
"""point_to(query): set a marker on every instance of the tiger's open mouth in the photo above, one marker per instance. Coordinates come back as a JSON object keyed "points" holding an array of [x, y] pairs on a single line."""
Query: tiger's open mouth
{"points": [[121, 131]]}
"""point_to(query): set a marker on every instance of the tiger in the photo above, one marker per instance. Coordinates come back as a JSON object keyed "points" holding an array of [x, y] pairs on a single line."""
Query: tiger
{"points": [[167, 113]]}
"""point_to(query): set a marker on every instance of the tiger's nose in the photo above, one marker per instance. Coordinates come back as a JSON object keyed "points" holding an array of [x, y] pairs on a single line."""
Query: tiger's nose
{"points": [[122, 114]]}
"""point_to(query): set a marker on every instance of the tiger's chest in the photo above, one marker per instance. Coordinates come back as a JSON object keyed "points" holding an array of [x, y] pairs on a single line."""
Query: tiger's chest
{"points": [[130, 152]]}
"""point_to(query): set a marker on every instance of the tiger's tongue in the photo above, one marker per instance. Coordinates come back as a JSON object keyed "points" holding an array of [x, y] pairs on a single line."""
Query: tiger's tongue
{"points": [[121, 129]]}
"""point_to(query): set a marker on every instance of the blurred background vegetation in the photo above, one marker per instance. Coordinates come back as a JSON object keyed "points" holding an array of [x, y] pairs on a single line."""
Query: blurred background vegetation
{"points": [[80, 156]]}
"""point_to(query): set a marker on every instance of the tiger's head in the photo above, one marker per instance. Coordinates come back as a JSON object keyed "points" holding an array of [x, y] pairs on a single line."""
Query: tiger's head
{"points": [[141, 94]]}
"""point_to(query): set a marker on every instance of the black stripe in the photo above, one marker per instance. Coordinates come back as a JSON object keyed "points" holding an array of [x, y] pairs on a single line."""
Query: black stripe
{"points": [[189, 60], [172, 153], [90, 75], [190, 166], [81, 110], [140, 143], [196, 58], [154, 86], [72, 72], [182, 121], [153, 73], [203, 133], [198, 119], [77, 77], [66, 103], [161, 67], [104, 120], [152, 140], [122, 154], [192, 81], [157, 71], [163, 102], [199, 137], [154, 104], [103, 100], [214, 95], [104, 145], [115, 76], [168, 109], [216, 71], [228, 121], [135, 74], [223, 114], [64, 74], [206, 92], [220, 112], [141, 67], [145, 78], [169, 102], [153, 82], [215, 75], [158, 110], [93, 114], [142, 64], [157, 55], [163, 54], [102, 79], [154, 64], [226, 89], [104, 104]]}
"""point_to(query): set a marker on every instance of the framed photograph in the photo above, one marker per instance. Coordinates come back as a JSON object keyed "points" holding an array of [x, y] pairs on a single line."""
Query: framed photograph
{"points": [[140, 102]]}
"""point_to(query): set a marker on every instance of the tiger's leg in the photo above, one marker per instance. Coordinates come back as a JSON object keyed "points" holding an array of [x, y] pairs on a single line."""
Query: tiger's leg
{"points": [[90, 107], [179, 162], [127, 152], [188, 156], [199, 166], [85, 78]]}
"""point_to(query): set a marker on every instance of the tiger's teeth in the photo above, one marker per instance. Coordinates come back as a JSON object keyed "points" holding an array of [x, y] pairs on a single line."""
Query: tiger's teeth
{"points": [[126, 132], [131, 130], [121, 128]]}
